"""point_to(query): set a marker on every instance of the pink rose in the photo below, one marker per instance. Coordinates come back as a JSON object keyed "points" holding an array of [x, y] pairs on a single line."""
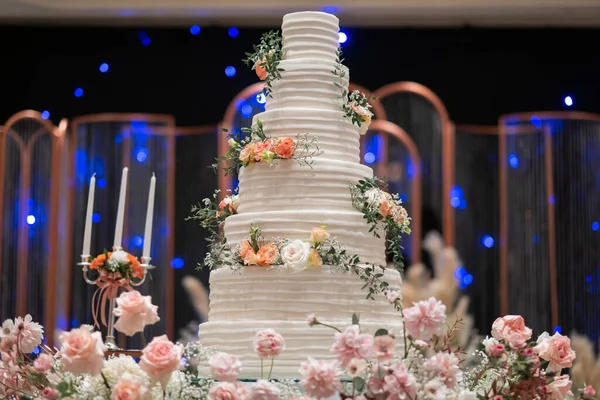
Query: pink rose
{"points": [[43, 363], [511, 329], [135, 312], [82, 351], [160, 358], [320, 379], [384, 347], [129, 387], [268, 343], [560, 387], [425, 319], [224, 391], [50, 393], [557, 350], [263, 390], [588, 392], [352, 344], [225, 367]]}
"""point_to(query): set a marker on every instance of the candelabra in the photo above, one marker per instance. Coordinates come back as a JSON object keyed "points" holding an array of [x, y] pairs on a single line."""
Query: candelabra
{"points": [[110, 334]]}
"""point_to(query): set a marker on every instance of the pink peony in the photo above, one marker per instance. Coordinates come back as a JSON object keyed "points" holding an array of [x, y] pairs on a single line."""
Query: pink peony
{"points": [[588, 392], [445, 367], [399, 383], [356, 367], [225, 367], [224, 391], [425, 319], [43, 363], [129, 387], [135, 312], [263, 390], [511, 329], [351, 344], [50, 393], [493, 347], [29, 334], [160, 358], [560, 387], [384, 347], [320, 379], [268, 343], [557, 350], [82, 351]]}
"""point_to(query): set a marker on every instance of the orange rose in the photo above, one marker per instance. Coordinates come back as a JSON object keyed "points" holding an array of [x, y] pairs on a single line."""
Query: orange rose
{"points": [[98, 261], [250, 258], [245, 248], [260, 71], [285, 147], [136, 269], [266, 255]]}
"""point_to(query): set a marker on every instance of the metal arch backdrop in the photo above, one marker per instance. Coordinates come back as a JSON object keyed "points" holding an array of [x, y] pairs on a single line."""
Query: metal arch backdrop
{"points": [[400, 163], [549, 220], [422, 114], [29, 184], [475, 198], [104, 144]]}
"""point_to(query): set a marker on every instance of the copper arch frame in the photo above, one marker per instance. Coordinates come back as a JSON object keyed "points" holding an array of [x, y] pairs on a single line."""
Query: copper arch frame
{"points": [[527, 129], [415, 185], [447, 146], [57, 137], [168, 131]]}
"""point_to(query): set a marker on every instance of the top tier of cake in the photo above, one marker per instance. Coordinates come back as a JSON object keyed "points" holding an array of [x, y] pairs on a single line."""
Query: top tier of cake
{"points": [[310, 35]]}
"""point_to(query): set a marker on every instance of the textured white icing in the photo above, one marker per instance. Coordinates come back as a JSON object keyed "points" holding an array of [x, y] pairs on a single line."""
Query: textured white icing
{"points": [[310, 35], [281, 300]]}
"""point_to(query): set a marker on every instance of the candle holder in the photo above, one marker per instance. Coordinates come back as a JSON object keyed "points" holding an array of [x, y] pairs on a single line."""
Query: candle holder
{"points": [[110, 333]]}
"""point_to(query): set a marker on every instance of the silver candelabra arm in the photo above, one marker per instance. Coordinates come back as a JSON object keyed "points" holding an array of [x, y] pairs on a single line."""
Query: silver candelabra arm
{"points": [[146, 266]]}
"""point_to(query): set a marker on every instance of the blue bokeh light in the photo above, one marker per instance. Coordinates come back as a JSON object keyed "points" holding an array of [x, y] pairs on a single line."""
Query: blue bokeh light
{"points": [[487, 241], [194, 29], [536, 121], [45, 114], [535, 239], [342, 37], [369, 158], [246, 110], [588, 278], [551, 199], [455, 202], [78, 92], [330, 9], [30, 219], [557, 329], [36, 350], [141, 154], [101, 182], [137, 241], [177, 263], [468, 279], [95, 217], [463, 277], [230, 71], [569, 101], [513, 160], [233, 31], [144, 38], [103, 67], [595, 225]]}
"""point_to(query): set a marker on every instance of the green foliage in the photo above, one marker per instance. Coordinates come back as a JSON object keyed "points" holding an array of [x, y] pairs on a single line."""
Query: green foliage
{"points": [[268, 54]]}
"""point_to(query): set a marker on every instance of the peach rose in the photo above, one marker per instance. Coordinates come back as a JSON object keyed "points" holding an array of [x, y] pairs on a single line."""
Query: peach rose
{"points": [[285, 147], [386, 208], [247, 154], [560, 387], [261, 72], [250, 258], [314, 259], [511, 329], [557, 350], [129, 387], [266, 255], [245, 247], [318, 235], [135, 312], [160, 358], [82, 351]]}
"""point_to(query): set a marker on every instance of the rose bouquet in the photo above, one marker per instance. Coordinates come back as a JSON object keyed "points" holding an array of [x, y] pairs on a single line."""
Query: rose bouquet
{"points": [[117, 265]]}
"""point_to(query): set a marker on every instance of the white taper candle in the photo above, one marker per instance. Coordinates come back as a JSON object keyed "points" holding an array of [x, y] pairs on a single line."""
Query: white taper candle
{"points": [[87, 233], [121, 210], [149, 215]]}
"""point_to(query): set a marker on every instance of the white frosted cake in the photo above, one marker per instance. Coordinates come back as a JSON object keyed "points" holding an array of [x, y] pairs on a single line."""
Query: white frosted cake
{"points": [[289, 200]]}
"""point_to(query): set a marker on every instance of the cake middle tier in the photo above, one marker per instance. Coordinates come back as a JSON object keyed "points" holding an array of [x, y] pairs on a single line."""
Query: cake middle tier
{"points": [[291, 187], [337, 136], [348, 227]]}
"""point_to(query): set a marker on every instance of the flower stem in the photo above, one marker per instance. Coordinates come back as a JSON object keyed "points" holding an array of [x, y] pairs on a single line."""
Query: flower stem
{"points": [[105, 381], [328, 326], [144, 342], [271, 369], [261, 369]]}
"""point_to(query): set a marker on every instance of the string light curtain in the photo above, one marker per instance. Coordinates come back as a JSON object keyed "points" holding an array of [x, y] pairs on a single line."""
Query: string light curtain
{"points": [[104, 144], [549, 219], [475, 199], [29, 238]]}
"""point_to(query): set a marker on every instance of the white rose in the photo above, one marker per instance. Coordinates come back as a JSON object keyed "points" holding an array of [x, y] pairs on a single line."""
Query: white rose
{"points": [[235, 201], [374, 197], [119, 256], [295, 255]]}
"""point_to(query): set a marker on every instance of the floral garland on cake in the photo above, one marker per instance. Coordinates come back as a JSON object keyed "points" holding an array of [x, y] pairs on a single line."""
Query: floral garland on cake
{"points": [[255, 146], [383, 211], [266, 58]]}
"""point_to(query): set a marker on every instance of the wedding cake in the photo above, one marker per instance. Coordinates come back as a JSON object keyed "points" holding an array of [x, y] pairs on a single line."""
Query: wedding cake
{"points": [[296, 201]]}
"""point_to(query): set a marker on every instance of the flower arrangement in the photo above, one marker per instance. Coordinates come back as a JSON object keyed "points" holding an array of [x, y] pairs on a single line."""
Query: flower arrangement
{"points": [[117, 265], [382, 211], [266, 58], [255, 146]]}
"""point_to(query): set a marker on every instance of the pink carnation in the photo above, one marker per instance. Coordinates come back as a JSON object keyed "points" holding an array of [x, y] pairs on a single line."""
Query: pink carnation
{"points": [[351, 344], [82, 351], [43, 363], [263, 390], [268, 343], [445, 367], [224, 391], [225, 367], [135, 312], [511, 329], [160, 359], [384, 346], [425, 319], [399, 383], [557, 350], [320, 379], [560, 387]]}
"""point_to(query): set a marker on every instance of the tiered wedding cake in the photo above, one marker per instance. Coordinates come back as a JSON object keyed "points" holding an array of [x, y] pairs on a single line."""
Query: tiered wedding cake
{"points": [[289, 200]]}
